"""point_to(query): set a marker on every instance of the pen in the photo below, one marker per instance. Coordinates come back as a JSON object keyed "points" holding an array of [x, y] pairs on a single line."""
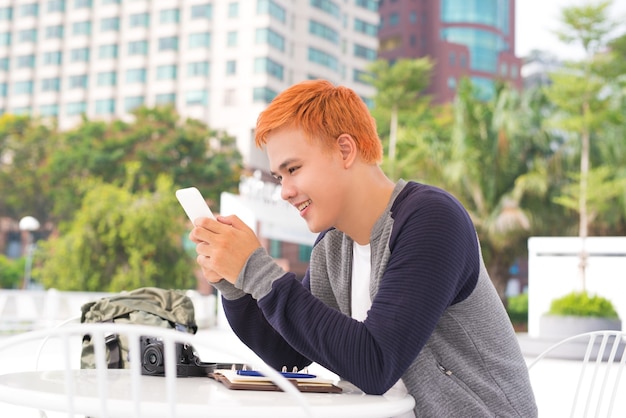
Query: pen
{"points": [[286, 375]]}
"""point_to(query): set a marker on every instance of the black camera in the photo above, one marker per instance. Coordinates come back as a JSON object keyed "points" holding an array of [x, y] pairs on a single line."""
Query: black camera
{"points": [[187, 361]]}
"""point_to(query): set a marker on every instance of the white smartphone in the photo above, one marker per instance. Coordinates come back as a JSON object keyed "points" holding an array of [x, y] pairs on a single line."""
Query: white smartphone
{"points": [[193, 203]]}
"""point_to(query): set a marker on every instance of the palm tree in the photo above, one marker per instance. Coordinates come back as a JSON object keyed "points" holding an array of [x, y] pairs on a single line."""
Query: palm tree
{"points": [[398, 86]]}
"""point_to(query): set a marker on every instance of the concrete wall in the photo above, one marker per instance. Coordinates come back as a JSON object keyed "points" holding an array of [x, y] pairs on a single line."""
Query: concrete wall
{"points": [[553, 272]]}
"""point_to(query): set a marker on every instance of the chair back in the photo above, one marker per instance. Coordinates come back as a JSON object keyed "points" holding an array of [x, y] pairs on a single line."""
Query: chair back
{"points": [[66, 363], [598, 377]]}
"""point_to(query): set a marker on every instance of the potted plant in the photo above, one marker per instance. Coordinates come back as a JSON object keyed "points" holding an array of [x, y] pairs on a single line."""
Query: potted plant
{"points": [[578, 312]]}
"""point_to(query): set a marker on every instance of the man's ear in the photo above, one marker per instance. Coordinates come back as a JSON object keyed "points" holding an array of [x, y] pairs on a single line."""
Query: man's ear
{"points": [[347, 148]]}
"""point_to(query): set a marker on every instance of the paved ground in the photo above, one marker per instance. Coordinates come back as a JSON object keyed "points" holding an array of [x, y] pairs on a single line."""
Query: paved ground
{"points": [[553, 398]]}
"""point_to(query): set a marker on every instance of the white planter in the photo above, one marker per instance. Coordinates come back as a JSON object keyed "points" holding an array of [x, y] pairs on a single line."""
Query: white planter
{"points": [[559, 327]]}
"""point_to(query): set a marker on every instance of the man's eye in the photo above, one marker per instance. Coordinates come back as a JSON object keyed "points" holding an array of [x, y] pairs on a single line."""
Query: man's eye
{"points": [[292, 169]]}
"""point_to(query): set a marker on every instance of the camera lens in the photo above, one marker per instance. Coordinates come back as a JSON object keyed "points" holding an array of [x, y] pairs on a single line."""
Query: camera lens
{"points": [[153, 358]]}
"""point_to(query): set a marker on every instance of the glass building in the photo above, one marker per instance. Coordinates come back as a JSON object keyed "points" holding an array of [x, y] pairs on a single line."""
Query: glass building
{"points": [[465, 38]]}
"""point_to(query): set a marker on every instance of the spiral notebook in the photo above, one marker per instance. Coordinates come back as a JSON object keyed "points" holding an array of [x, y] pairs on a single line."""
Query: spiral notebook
{"points": [[238, 380]]}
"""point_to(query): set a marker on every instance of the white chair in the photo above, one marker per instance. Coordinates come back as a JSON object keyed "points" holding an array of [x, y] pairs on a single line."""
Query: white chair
{"points": [[596, 375], [104, 392]]}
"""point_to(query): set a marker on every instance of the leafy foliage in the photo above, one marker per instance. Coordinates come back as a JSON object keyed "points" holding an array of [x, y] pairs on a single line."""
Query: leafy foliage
{"points": [[119, 240], [517, 308], [582, 304], [11, 272]]}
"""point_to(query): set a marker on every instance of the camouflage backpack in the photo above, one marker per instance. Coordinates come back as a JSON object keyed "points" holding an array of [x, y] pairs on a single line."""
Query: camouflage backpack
{"points": [[145, 306]]}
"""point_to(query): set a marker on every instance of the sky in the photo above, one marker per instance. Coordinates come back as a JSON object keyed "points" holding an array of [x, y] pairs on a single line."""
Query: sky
{"points": [[535, 19]]}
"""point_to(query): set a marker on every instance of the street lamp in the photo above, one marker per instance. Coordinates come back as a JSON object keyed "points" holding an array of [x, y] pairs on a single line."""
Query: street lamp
{"points": [[28, 224]]}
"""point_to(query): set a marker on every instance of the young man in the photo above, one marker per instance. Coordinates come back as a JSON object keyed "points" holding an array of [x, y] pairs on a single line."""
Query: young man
{"points": [[396, 292]]}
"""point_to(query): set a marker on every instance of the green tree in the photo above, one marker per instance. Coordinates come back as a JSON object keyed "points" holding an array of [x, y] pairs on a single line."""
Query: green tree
{"points": [[25, 145], [583, 105], [11, 272], [119, 240], [492, 156], [398, 87], [156, 142]]}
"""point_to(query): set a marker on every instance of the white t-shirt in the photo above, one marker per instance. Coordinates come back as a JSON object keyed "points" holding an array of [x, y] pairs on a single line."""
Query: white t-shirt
{"points": [[361, 302]]}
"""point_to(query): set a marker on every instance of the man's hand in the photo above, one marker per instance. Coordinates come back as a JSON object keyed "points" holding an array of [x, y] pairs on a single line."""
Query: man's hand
{"points": [[223, 246]]}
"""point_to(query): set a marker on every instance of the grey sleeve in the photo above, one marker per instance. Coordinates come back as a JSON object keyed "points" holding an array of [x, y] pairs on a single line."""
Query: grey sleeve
{"points": [[258, 274]]}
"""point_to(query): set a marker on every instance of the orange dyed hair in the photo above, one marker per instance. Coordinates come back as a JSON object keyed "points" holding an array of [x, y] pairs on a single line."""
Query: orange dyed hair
{"points": [[323, 112]]}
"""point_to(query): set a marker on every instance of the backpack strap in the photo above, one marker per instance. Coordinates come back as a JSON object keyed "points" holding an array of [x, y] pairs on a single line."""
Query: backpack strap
{"points": [[112, 342]]}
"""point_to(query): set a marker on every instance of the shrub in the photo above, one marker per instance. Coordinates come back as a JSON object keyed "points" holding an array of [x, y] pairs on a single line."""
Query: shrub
{"points": [[582, 304], [11, 272], [517, 308]]}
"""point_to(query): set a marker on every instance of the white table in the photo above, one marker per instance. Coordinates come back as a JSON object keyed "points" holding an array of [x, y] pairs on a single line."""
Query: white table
{"points": [[195, 397]]}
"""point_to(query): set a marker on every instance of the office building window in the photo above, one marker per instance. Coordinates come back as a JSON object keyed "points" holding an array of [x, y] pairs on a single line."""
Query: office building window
{"points": [[233, 9], [413, 17], [165, 98], [394, 19], [231, 67], [4, 63], [79, 54], [139, 20], [369, 5], [5, 38], [195, 69], [82, 4], [6, 13], [75, 108], [166, 72], [327, 6], [23, 87], [358, 76], [369, 102], [304, 253], [131, 103], [110, 24], [320, 57], [52, 58], [31, 9], [263, 94], [111, 1], [27, 35], [54, 31], [3, 89], [168, 43], [25, 61], [51, 84], [136, 75], [365, 27], [169, 16], [107, 51], [231, 38], [56, 6], [268, 36], [49, 110], [77, 81], [196, 97], [323, 31], [264, 65], [138, 48], [202, 11], [272, 8], [81, 28], [23, 110], [105, 106], [365, 52], [200, 40], [275, 249], [107, 78]]}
